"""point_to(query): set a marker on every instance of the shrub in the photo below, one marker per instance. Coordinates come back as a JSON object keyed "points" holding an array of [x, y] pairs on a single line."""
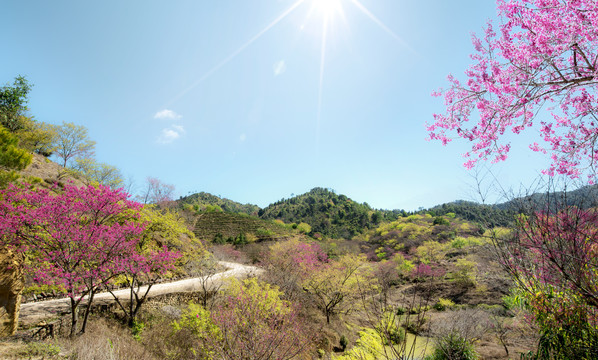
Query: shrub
{"points": [[343, 342], [219, 239], [458, 243], [465, 272], [443, 304], [453, 346], [439, 220]]}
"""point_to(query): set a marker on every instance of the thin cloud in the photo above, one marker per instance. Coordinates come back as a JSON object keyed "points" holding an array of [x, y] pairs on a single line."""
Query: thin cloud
{"points": [[179, 128], [167, 114], [279, 67], [242, 137], [171, 134]]}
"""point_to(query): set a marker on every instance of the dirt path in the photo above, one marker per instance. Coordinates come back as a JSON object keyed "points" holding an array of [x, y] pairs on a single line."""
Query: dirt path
{"points": [[34, 312]]}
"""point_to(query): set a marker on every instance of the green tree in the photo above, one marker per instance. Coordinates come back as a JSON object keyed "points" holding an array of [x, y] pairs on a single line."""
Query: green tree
{"points": [[37, 136], [72, 142], [101, 173], [12, 158], [13, 103]]}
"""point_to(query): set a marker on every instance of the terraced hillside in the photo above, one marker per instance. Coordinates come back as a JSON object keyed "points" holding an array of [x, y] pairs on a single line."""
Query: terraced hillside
{"points": [[210, 224]]}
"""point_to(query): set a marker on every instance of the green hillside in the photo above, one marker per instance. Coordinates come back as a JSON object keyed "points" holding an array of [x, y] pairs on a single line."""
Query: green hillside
{"points": [[329, 214], [200, 201], [486, 215]]}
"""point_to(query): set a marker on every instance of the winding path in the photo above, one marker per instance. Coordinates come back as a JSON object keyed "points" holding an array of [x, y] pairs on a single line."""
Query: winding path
{"points": [[34, 312]]}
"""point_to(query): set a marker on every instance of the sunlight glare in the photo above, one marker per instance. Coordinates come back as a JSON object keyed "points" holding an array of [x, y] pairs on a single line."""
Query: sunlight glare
{"points": [[327, 8]]}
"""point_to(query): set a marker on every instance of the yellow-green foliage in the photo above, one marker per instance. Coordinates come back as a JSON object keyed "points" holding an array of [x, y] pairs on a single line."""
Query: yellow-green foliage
{"points": [[195, 332], [369, 346], [168, 228], [94, 172], [212, 208], [413, 218], [443, 304], [465, 272], [304, 228], [497, 232], [12, 157], [458, 242], [266, 298], [336, 287], [390, 329], [471, 241], [430, 252], [404, 267], [37, 136], [197, 320]]}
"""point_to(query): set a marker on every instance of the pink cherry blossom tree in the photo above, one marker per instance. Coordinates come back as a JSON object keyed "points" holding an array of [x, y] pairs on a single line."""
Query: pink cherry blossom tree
{"points": [[537, 70], [156, 192], [77, 238]]}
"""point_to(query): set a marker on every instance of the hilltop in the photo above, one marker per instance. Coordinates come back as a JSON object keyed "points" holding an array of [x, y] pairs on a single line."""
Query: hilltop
{"points": [[202, 201], [329, 214]]}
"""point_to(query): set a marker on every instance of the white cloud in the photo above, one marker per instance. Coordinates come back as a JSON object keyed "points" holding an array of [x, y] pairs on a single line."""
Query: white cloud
{"points": [[242, 137], [179, 128], [167, 114], [279, 67], [170, 134]]}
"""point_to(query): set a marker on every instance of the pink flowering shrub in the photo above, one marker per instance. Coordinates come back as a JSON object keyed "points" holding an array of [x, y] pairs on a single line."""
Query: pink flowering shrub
{"points": [[553, 259], [423, 272]]}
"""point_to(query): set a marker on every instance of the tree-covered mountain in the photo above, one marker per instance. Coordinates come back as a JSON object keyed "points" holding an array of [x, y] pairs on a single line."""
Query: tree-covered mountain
{"points": [[204, 201], [328, 213], [486, 215]]}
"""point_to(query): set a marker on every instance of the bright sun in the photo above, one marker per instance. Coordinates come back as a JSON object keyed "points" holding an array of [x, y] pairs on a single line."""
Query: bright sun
{"points": [[327, 7]]}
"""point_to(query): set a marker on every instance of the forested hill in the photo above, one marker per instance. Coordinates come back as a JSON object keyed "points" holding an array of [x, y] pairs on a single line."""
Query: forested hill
{"points": [[486, 215], [204, 201], [503, 214], [329, 214]]}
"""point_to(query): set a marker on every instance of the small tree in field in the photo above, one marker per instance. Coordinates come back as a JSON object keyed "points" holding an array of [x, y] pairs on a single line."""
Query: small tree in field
{"points": [[336, 286], [291, 262], [77, 238], [544, 52]]}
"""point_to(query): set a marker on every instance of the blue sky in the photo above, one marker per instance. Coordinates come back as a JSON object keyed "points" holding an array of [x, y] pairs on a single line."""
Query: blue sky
{"points": [[245, 99]]}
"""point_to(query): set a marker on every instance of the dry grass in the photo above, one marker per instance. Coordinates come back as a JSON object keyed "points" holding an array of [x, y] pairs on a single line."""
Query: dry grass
{"points": [[105, 339]]}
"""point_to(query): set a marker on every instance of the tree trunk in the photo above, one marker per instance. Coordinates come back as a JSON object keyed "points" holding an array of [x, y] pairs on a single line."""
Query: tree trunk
{"points": [[74, 316], [87, 310]]}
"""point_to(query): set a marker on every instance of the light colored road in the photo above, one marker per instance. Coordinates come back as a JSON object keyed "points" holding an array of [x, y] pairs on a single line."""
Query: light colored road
{"points": [[34, 312]]}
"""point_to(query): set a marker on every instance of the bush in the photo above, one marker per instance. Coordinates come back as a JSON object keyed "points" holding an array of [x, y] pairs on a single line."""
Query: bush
{"points": [[343, 342], [452, 347], [443, 304], [219, 239], [439, 220], [465, 274], [458, 243]]}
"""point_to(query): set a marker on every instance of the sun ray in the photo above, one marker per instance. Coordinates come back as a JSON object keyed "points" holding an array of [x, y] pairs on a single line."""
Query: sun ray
{"points": [[321, 82], [235, 53], [378, 22]]}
